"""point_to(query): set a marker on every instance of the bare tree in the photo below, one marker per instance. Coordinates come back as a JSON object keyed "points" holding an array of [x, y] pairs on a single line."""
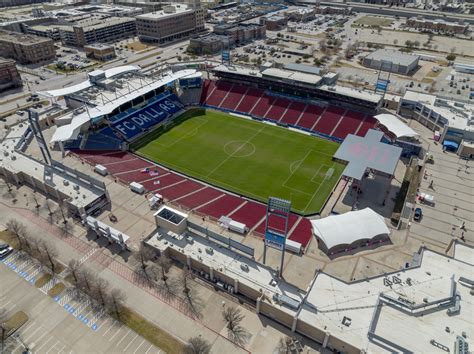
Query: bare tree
{"points": [[18, 230], [198, 345], [190, 294], [74, 267], [87, 280], [285, 345], [49, 254], [101, 291], [163, 266], [144, 270], [237, 333], [116, 300], [3, 329], [48, 206]]}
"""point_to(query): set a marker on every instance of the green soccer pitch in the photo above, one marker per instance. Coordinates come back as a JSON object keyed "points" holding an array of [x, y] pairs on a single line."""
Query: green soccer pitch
{"points": [[251, 158]]}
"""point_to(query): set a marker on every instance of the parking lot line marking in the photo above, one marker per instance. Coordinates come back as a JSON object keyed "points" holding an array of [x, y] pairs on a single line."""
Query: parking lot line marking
{"points": [[53, 347], [41, 337], [32, 333], [120, 328], [27, 327], [113, 323], [123, 337], [136, 335], [143, 341], [42, 345], [151, 346]]}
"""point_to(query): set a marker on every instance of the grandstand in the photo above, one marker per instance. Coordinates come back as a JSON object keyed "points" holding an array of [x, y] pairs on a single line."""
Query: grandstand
{"points": [[327, 121]]}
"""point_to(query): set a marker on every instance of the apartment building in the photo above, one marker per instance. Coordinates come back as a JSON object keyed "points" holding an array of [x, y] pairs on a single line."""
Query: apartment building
{"points": [[97, 30], [171, 23], [437, 25], [301, 14], [9, 76], [26, 49]]}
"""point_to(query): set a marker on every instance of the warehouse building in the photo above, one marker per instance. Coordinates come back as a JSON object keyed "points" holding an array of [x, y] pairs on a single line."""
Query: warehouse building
{"points": [[173, 22], [391, 60], [26, 49]]}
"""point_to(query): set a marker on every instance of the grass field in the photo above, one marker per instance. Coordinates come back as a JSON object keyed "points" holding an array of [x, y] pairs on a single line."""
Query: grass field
{"points": [[248, 157]]}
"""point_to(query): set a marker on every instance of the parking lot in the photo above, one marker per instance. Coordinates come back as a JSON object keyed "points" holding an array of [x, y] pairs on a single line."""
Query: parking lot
{"points": [[452, 190], [62, 324]]}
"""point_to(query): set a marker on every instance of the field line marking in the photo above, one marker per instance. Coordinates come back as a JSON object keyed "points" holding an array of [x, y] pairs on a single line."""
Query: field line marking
{"points": [[317, 190], [186, 135], [319, 169], [236, 151], [296, 169]]}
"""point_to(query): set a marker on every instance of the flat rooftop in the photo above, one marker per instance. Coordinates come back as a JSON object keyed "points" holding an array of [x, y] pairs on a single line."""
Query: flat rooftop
{"points": [[20, 38], [459, 115], [41, 172], [353, 92], [334, 300], [393, 56], [178, 9], [289, 75]]}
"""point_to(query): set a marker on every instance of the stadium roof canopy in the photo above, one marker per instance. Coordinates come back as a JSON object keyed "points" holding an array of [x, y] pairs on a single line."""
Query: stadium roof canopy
{"points": [[367, 153], [395, 125], [86, 84], [350, 227]]}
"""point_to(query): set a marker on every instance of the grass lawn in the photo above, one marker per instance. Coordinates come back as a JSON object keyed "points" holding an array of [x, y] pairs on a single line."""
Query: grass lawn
{"points": [[373, 21], [57, 289], [43, 280], [248, 157]]}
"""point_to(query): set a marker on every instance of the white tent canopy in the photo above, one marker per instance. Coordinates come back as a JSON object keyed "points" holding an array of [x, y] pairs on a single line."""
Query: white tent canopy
{"points": [[347, 228], [395, 125]]}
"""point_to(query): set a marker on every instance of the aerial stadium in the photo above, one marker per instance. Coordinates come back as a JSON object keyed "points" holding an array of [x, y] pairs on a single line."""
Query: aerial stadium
{"points": [[222, 158], [220, 141]]}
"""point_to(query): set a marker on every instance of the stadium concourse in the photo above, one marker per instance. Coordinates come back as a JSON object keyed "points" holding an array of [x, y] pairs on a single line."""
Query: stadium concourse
{"points": [[192, 196]]}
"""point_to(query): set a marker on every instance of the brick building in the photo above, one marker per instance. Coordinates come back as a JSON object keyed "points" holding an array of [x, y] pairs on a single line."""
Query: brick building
{"points": [[25, 48]]}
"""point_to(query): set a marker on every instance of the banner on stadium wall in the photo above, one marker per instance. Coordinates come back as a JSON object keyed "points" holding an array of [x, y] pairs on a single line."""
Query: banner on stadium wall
{"points": [[275, 240]]}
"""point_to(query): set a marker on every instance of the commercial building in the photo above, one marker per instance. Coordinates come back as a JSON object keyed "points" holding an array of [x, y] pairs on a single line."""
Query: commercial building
{"points": [[97, 30], [241, 33], [301, 14], [208, 44], [99, 51], [437, 25], [453, 120], [8, 3], [274, 23], [173, 22], [9, 76], [331, 10], [26, 49], [391, 60]]}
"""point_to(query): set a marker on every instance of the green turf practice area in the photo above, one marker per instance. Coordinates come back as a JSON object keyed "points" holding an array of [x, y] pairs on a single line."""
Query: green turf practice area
{"points": [[251, 158]]}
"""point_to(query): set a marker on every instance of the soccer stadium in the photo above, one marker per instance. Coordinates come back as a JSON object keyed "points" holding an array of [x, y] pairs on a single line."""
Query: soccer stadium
{"points": [[219, 142], [291, 194]]}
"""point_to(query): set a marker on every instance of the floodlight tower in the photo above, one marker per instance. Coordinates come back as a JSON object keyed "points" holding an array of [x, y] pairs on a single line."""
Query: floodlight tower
{"points": [[275, 238], [33, 118]]}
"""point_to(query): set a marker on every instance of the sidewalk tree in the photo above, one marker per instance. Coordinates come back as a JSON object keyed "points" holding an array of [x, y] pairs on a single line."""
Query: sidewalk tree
{"points": [[144, 270], [101, 291], [74, 267], [19, 231], [285, 345], [116, 300], [233, 316], [190, 294], [49, 254], [198, 345], [3, 329]]}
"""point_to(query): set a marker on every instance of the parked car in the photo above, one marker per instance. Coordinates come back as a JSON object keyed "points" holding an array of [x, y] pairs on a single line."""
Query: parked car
{"points": [[5, 250], [418, 214]]}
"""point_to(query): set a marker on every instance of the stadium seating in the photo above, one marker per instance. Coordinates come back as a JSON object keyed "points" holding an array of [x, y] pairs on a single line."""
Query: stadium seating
{"points": [[277, 109], [199, 198], [349, 124], [180, 189], [310, 116], [221, 206], [250, 214], [141, 120], [233, 97], [301, 232], [330, 121], [293, 113]]}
